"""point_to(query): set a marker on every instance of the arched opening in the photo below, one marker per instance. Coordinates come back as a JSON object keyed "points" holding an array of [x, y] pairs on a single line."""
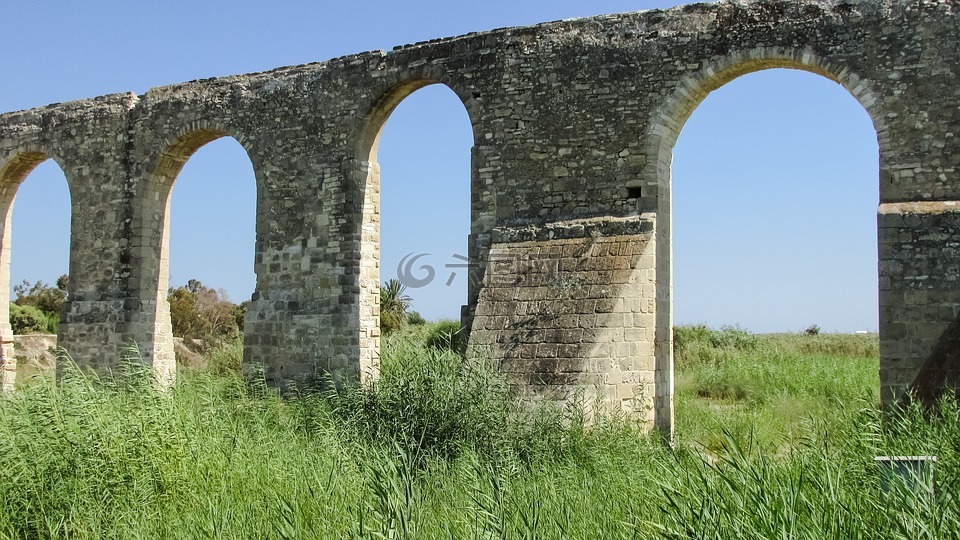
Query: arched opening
{"points": [[771, 208], [417, 221], [774, 208], [206, 189], [39, 225]]}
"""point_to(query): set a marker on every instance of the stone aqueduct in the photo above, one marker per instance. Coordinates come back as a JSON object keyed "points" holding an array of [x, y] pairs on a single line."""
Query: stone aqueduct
{"points": [[574, 124]]}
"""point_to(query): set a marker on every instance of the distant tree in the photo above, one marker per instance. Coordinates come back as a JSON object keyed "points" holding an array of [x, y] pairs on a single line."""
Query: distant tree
{"points": [[35, 302], [217, 310], [199, 312], [240, 312], [394, 304], [47, 299], [184, 317]]}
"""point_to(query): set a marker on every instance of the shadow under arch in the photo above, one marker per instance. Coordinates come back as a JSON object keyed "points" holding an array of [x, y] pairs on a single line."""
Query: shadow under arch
{"points": [[367, 178], [12, 175], [152, 241], [666, 124]]}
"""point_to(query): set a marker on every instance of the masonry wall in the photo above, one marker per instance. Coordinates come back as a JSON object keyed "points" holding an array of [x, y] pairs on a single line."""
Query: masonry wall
{"points": [[919, 298], [87, 141], [574, 124], [567, 310]]}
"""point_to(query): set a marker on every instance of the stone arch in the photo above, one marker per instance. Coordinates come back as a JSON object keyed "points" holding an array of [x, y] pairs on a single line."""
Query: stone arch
{"points": [[367, 172], [12, 173], [399, 87], [152, 239], [668, 119], [664, 129]]}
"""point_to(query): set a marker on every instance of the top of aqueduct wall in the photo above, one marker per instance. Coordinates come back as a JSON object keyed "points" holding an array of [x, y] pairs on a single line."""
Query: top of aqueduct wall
{"points": [[657, 23]]}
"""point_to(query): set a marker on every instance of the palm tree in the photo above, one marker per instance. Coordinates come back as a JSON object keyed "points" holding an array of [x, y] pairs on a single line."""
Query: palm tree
{"points": [[393, 305]]}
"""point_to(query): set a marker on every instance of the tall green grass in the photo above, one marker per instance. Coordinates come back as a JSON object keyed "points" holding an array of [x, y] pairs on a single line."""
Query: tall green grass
{"points": [[439, 449], [774, 390]]}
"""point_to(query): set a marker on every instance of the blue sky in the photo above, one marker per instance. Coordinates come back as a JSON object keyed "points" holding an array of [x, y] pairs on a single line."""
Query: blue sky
{"points": [[775, 174]]}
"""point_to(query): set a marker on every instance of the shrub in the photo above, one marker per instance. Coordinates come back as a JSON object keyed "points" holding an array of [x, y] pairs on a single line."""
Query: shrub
{"points": [[239, 313], [684, 337], [447, 336], [29, 320], [692, 344], [812, 330], [38, 302], [45, 298], [416, 319], [430, 399], [227, 358], [199, 312], [733, 337], [53, 322], [390, 322]]}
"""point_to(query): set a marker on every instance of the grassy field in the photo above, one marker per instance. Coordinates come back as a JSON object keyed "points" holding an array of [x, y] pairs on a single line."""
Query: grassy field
{"points": [[776, 439], [773, 390]]}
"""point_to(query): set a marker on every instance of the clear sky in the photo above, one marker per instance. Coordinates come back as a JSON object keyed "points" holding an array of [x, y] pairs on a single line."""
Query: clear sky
{"points": [[775, 174]]}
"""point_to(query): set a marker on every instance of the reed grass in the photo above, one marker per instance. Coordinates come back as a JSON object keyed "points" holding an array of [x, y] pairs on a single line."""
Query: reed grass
{"points": [[438, 449]]}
